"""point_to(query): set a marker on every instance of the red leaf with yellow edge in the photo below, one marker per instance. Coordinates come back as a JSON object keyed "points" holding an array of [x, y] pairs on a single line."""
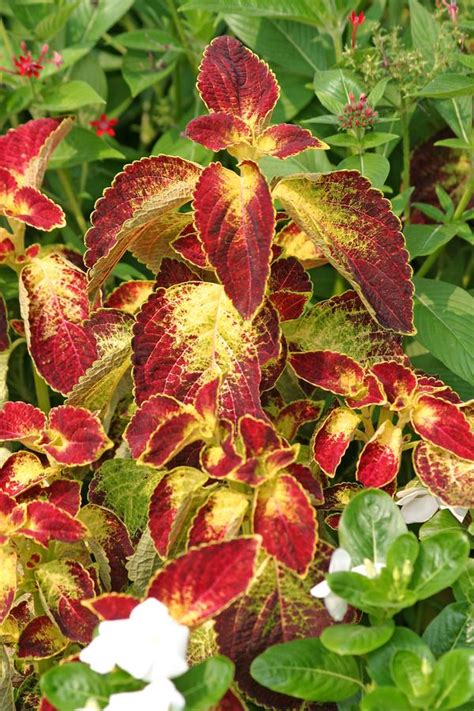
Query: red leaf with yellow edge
{"points": [[266, 453], [108, 539], [311, 483], [333, 437], [21, 421], [8, 579], [379, 461], [290, 288], [63, 493], [129, 296], [444, 425], [155, 243], [189, 246], [445, 475], [297, 413], [221, 459], [129, 209], [204, 581], [235, 219], [331, 371], [74, 436], [294, 242], [232, 79], [270, 344], [218, 131], [112, 606], [220, 518], [54, 304], [399, 383], [41, 639], [352, 224], [170, 506], [370, 393], [173, 271], [21, 471], [259, 436], [26, 149], [63, 584], [187, 335], [28, 205], [285, 519], [4, 339], [430, 385], [286, 139], [12, 517], [46, 522]]}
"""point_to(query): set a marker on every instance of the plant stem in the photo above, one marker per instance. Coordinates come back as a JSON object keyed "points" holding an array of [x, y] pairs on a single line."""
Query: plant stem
{"points": [[42, 392], [429, 262], [465, 198], [405, 122], [65, 181], [339, 285], [182, 34], [337, 43]]}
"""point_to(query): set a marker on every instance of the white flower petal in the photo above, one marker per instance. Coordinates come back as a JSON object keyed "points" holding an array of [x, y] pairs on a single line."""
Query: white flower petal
{"points": [[336, 606], [340, 560], [99, 655], [420, 509], [459, 512], [406, 495], [161, 695], [321, 590]]}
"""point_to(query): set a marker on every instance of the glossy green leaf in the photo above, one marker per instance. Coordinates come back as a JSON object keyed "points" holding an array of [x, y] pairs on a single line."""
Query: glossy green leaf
{"points": [[425, 239], [70, 686], [356, 639], [446, 86], [378, 662], [454, 674], [147, 40], [463, 588], [385, 697], [69, 97], [82, 146], [440, 562], [412, 674], [332, 87], [307, 670], [453, 627], [442, 521], [424, 30], [443, 314], [401, 557], [300, 10], [370, 523], [205, 684]]}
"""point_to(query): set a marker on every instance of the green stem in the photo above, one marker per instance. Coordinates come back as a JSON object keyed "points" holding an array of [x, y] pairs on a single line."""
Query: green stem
{"points": [[465, 198], [42, 392], [405, 122], [429, 262], [337, 43], [182, 34], [66, 185], [339, 285]]}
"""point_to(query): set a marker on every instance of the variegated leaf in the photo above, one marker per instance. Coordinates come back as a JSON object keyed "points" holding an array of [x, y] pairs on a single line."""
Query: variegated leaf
{"points": [[399, 383], [129, 296], [445, 475], [21, 421], [20, 472], [379, 461], [40, 639], [8, 579], [333, 437], [444, 425], [74, 436], [219, 518], [284, 140]]}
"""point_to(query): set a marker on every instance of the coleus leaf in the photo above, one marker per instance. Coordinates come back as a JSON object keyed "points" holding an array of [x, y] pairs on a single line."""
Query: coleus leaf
{"points": [[170, 505], [265, 452], [354, 227], [8, 579], [285, 140], [63, 493], [286, 520], [174, 271], [129, 296], [54, 304], [132, 208], [294, 242], [28, 205], [189, 246], [155, 244], [112, 606], [445, 475], [220, 518], [379, 461], [204, 581], [40, 639], [235, 219], [4, 339], [399, 383], [443, 424], [290, 288], [297, 413], [430, 385], [21, 471], [333, 437], [21, 421], [189, 334], [74, 436], [46, 522], [342, 324]]}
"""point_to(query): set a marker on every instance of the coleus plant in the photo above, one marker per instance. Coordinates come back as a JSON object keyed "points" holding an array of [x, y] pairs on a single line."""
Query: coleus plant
{"points": [[206, 488]]}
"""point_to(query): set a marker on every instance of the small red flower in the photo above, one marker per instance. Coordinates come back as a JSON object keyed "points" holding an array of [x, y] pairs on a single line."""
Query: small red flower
{"points": [[356, 20], [104, 125], [25, 64]]}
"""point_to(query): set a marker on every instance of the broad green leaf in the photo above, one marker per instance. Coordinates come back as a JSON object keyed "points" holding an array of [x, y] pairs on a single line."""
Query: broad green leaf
{"points": [[70, 686], [88, 70], [306, 670], [443, 319], [378, 662], [385, 697], [425, 239], [205, 684], [463, 588], [370, 523], [142, 70], [69, 97], [148, 40], [440, 562], [446, 86], [375, 167], [143, 563], [452, 628], [356, 639], [457, 112], [442, 521], [432, 365], [82, 146], [377, 138], [307, 11], [91, 19], [412, 675], [374, 596], [424, 30], [454, 673], [401, 557], [50, 25], [332, 87]]}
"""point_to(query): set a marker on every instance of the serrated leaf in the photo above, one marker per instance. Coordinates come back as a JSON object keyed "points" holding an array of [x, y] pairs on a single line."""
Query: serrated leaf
{"points": [[445, 475]]}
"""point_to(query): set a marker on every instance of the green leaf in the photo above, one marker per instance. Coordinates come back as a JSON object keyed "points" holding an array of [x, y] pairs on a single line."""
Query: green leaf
{"points": [[141, 70], [50, 25], [69, 97], [205, 684], [70, 686], [442, 521], [456, 143], [422, 240], [91, 19], [356, 639], [378, 662], [369, 524], [385, 697], [454, 673], [452, 628], [6, 688], [332, 87], [401, 557], [463, 588], [430, 364], [443, 315], [457, 112], [440, 562], [424, 30], [373, 166], [308, 11], [377, 138], [445, 86], [412, 675], [307, 670], [148, 40], [112, 484], [82, 146]]}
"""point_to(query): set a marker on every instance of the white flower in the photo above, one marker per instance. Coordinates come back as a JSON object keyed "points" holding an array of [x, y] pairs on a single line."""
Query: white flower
{"points": [[341, 561], [418, 505], [149, 645], [160, 695]]}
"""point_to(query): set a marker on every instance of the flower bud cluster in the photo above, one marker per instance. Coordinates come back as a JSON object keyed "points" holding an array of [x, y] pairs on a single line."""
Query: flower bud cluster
{"points": [[357, 115]]}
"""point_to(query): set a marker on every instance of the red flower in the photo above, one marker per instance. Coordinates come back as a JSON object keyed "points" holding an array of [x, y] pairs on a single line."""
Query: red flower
{"points": [[104, 125], [25, 64], [356, 20]]}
